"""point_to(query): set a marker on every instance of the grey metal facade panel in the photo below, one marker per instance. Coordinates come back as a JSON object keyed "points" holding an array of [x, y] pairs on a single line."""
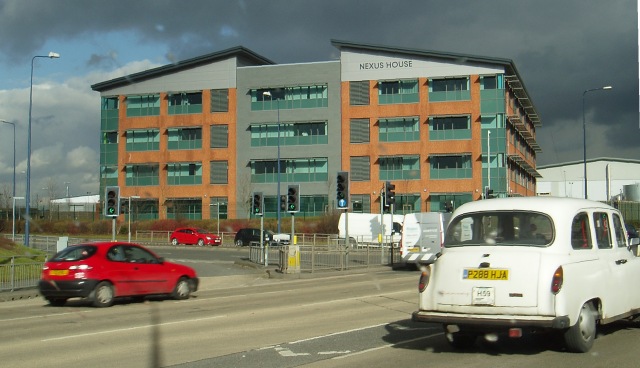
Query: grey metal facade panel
{"points": [[289, 75], [219, 74]]}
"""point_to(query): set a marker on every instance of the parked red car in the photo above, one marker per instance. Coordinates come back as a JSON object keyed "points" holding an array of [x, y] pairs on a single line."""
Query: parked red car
{"points": [[101, 272], [191, 235]]}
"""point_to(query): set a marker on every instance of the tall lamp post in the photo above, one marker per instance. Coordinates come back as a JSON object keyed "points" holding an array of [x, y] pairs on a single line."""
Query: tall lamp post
{"points": [[14, 175], [52, 55], [267, 93], [584, 137]]}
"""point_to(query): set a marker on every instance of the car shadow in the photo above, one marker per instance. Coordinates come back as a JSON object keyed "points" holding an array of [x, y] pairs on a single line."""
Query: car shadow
{"points": [[406, 334]]}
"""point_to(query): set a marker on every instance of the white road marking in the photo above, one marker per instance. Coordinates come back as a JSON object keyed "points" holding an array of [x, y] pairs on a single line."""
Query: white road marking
{"points": [[130, 328]]}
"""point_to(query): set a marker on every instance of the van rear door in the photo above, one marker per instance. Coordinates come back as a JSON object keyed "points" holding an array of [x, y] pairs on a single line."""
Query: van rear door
{"points": [[423, 235]]}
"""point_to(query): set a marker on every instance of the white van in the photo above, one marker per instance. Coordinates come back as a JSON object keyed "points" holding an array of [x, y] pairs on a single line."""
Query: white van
{"points": [[422, 237], [364, 228]]}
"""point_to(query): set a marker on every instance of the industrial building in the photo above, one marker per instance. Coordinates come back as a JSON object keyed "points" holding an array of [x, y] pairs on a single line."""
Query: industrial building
{"points": [[194, 139]]}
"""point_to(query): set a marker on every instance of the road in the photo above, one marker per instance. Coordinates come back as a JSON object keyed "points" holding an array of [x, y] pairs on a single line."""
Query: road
{"points": [[248, 320]]}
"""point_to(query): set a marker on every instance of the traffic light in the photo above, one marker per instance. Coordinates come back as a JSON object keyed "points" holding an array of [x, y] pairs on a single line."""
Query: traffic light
{"points": [[283, 203], [112, 201], [389, 194], [488, 192], [124, 205], [293, 198], [342, 190], [256, 204]]}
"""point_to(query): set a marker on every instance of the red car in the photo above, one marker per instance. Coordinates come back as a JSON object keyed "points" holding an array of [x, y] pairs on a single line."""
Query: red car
{"points": [[191, 235], [101, 272]]}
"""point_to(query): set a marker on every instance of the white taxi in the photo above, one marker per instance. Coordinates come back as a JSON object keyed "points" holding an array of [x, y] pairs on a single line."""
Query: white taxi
{"points": [[517, 265]]}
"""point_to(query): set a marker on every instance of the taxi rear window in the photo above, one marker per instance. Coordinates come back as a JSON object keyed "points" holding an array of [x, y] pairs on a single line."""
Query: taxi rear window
{"points": [[500, 228]]}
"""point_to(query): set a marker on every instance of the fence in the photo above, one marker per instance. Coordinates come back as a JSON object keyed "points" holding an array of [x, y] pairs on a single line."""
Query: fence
{"points": [[316, 258], [19, 275]]}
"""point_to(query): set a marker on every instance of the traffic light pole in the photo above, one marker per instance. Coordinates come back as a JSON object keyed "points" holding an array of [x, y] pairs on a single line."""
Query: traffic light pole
{"points": [[113, 229]]}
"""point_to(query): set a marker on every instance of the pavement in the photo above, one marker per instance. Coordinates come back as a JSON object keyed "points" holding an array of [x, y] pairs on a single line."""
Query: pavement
{"points": [[261, 274]]}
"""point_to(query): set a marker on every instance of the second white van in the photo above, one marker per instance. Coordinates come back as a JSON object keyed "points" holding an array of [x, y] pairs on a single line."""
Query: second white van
{"points": [[422, 237]]}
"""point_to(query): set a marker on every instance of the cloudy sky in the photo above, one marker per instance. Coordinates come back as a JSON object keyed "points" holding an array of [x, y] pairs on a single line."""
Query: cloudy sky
{"points": [[560, 47]]}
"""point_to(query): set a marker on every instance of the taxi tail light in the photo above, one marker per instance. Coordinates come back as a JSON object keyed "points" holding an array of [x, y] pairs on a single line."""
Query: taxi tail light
{"points": [[556, 281], [424, 278]]}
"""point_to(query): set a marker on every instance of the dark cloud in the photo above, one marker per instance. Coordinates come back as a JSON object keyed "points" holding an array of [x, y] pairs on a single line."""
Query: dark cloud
{"points": [[561, 48]]}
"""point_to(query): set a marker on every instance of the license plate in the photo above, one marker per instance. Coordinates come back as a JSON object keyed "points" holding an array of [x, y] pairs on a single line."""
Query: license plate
{"points": [[58, 272], [485, 274], [483, 296], [414, 250]]}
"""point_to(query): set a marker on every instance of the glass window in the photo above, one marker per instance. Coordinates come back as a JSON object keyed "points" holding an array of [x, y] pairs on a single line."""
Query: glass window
{"points": [[449, 89], [581, 232], [451, 167], [143, 140], [603, 230], [184, 138], [185, 103], [399, 130], [145, 105], [450, 128], [184, 173], [500, 228], [400, 91], [620, 231], [400, 168]]}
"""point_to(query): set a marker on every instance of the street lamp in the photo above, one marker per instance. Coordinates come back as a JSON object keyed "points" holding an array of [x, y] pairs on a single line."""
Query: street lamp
{"points": [[14, 173], [267, 93], [52, 55], [129, 214], [584, 137]]}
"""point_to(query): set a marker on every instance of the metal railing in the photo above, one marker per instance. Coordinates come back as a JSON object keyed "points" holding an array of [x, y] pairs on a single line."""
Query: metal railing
{"points": [[316, 258], [19, 275]]}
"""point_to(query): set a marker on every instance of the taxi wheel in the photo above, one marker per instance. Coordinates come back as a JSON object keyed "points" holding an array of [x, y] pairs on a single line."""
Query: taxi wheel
{"points": [[102, 295], [579, 337], [182, 289]]}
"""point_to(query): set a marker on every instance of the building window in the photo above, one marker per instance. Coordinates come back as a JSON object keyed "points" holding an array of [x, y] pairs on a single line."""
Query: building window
{"points": [[399, 129], [109, 174], [300, 97], [184, 173], [397, 92], [145, 105], [219, 136], [142, 175], [400, 168], [218, 172], [291, 134], [184, 208], [361, 203], [449, 89], [359, 93], [451, 167], [447, 202], [185, 103], [359, 131], [184, 138], [449, 128], [407, 203], [110, 137], [109, 148], [143, 140], [360, 168], [291, 170], [219, 207], [220, 100]]}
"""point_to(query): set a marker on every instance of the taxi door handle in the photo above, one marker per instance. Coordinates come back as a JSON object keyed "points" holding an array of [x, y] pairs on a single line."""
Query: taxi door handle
{"points": [[621, 261]]}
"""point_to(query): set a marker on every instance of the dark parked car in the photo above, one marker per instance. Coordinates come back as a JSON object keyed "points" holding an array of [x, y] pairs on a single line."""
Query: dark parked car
{"points": [[103, 271], [247, 235], [191, 235]]}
